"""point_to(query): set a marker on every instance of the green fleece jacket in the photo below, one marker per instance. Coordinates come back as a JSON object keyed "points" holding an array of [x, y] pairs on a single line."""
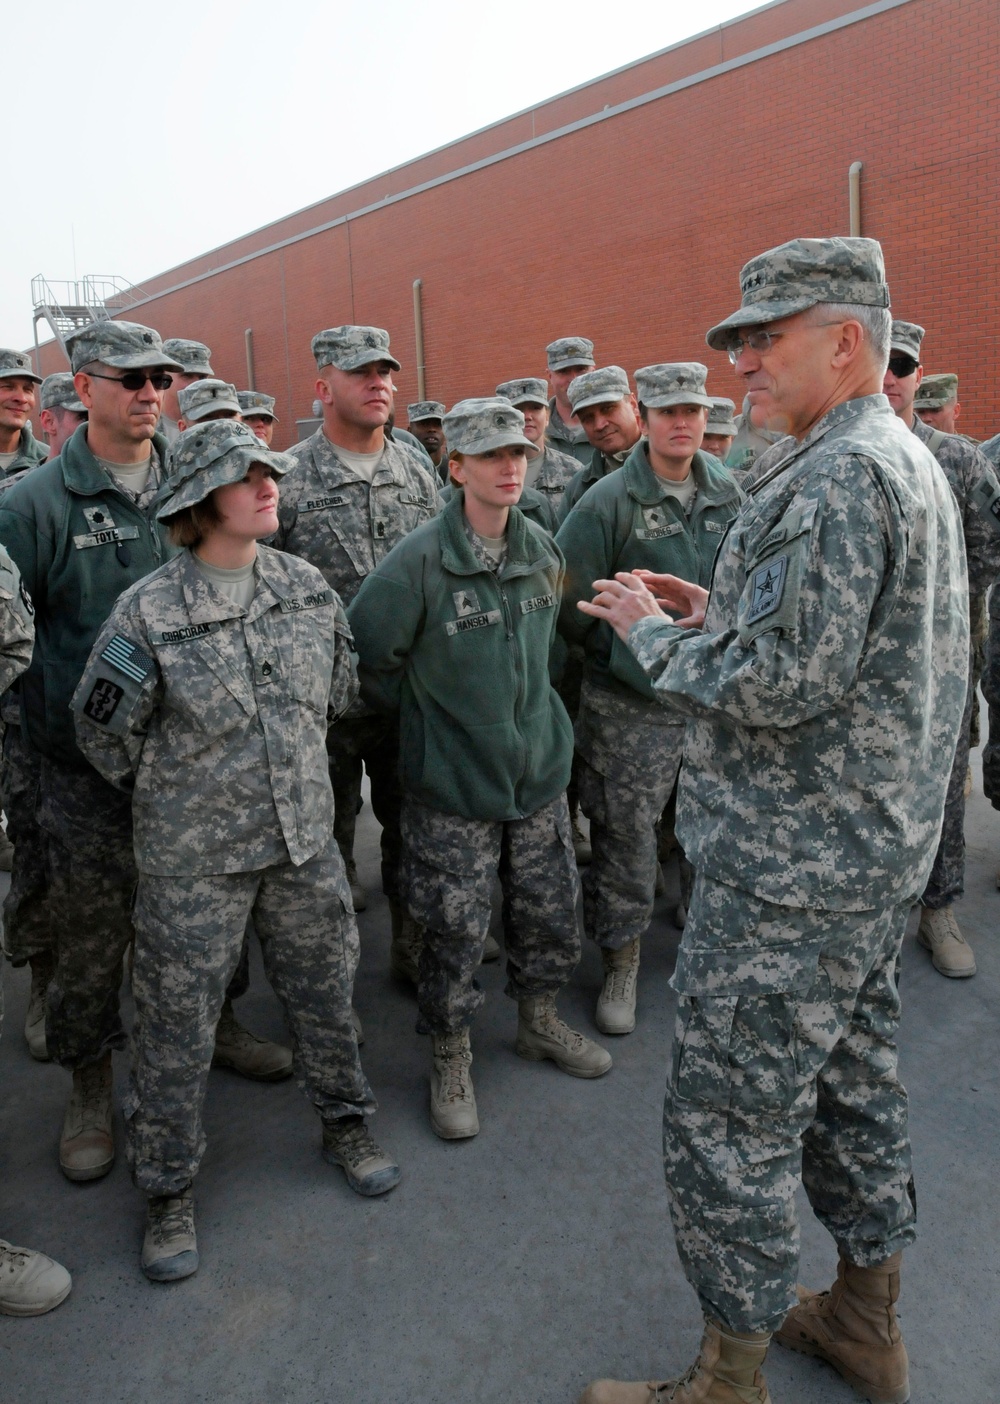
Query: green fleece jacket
{"points": [[463, 654], [78, 541], [29, 452], [627, 521]]}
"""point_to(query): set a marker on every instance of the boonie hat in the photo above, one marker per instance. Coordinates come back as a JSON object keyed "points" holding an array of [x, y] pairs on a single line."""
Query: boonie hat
{"points": [[476, 426], [798, 275], [569, 351], [906, 337], [191, 356], [59, 392], [17, 363], [672, 383], [212, 455], [124, 345], [936, 391], [598, 387], [206, 397], [255, 402], [424, 409], [347, 348], [530, 391], [721, 417]]}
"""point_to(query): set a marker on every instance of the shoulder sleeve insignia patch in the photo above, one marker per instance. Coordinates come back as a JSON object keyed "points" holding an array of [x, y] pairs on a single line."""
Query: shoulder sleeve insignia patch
{"points": [[128, 658], [767, 588], [103, 701]]}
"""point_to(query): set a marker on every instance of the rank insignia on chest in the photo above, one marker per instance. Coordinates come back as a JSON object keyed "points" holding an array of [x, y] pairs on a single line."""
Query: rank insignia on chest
{"points": [[767, 588], [466, 602], [654, 516], [98, 518]]}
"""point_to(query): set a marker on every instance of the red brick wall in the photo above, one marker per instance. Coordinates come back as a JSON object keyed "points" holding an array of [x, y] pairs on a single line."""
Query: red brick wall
{"points": [[633, 230]]}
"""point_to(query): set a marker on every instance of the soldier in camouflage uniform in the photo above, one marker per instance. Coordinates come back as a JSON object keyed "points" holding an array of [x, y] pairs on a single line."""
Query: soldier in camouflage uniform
{"points": [[19, 449], [207, 698], [936, 403], [354, 496], [721, 428], [748, 445], [454, 630], [424, 418], [30, 1282], [825, 689], [257, 410], [568, 357], [977, 493], [550, 471], [667, 510], [62, 410], [207, 399], [610, 417], [193, 360]]}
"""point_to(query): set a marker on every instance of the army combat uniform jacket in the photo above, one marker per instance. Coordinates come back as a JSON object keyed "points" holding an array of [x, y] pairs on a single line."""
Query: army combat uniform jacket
{"points": [[974, 482], [463, 654], [628, 521], [17, 627], [215, 717], [828, 684], [79, 541], [569, 439], [30, 452], [333, 519]]}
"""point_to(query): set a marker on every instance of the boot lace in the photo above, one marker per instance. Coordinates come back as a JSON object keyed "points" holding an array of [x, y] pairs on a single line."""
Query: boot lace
{"points": [[173, 1217], [356, 1145], [13, 1259], [454, 1062]]}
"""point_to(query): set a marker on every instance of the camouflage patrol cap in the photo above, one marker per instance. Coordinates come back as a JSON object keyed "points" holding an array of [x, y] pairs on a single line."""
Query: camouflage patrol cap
{"points": [[59, 392], [476, 426], [124, 345], [256, 403], [570, 351], [206, 397], [672, 383], [347, 348], [936, 391], [598, 387], [212, 455], [798, 275], [424, 409], [906, 337], [721, 417], [17, 363], [531, 391], [193, 357]]}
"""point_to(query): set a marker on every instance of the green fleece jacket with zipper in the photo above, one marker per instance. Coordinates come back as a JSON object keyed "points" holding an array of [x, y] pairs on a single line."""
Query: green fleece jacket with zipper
{"points": [[627, 521], [78, 541], [462, 652]]}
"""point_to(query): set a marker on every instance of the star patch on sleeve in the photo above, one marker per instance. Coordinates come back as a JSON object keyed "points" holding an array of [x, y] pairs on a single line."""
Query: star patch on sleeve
{"points": [[767, 587]]}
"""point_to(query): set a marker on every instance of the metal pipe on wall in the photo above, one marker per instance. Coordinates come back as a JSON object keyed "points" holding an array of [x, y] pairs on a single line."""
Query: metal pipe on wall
{"points": [[251, 374], [854, 187], [418, 331]]}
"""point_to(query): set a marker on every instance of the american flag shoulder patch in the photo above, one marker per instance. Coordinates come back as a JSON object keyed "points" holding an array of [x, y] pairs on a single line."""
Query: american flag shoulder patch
{"points": [[128, 658]]}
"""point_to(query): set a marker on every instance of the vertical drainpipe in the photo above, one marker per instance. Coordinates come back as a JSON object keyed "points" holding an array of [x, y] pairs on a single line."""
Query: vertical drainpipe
{"points": [[418, 329], [251, 376], [854, 185]]}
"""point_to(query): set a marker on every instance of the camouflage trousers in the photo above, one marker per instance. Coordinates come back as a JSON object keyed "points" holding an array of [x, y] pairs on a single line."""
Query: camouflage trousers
{"points": [[450, 867], [92, 875], [991, 691], [979, 628], [947, 879], [354, 745], [189, 932], [784, 1068], [628, 768], [27, 927]]}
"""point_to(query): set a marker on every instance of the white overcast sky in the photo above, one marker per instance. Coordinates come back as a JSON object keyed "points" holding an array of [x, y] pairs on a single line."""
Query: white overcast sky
{"points": [[139, 135]]}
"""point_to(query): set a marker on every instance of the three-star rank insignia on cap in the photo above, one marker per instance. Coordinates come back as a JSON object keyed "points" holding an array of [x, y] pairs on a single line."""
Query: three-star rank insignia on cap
{"points": [[767, 587]]}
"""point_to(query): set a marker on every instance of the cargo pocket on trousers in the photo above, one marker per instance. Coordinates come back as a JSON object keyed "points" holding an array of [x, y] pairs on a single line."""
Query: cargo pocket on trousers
{"points": [[701, 1064]]}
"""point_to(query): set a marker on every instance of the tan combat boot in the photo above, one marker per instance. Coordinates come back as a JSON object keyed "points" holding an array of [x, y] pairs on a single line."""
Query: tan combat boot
{"points": [[491, 950], [616, 1002], [257, 1058], [853, 1327], [42, 970], [542, 1034], [453, 1101], [30, 1283], [87, 1146], [348, 1143], [407, 942], [727, 1371], [170, 1247], [951, 953]]}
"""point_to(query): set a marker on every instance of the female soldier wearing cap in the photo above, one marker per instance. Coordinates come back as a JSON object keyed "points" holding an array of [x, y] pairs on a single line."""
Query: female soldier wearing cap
{"points": [[208, 694], [453, 630]]}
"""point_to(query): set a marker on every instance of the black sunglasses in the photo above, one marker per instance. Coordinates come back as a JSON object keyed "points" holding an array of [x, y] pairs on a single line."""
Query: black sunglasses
{"points": [[136, 379], [902, 366]]}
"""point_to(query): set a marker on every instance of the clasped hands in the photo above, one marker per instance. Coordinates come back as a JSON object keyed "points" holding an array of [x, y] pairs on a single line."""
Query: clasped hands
{"points": [[641, 593]]}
